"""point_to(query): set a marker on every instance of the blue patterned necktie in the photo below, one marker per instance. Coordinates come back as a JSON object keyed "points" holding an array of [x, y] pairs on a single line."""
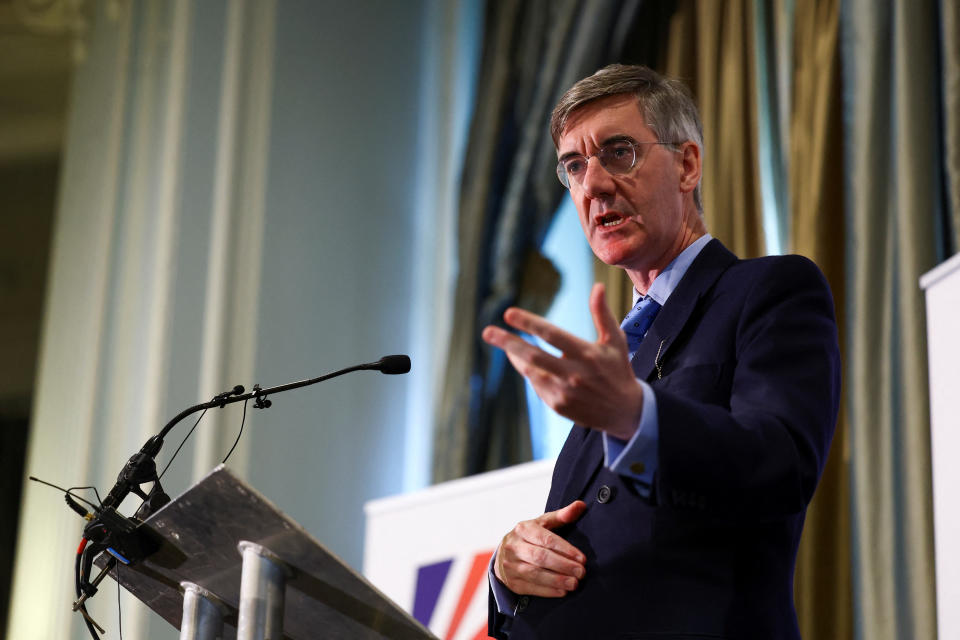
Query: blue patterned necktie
{"points": [[637, 322]]}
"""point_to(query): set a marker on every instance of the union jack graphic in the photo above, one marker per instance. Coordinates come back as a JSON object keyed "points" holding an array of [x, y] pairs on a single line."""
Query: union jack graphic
{"points": [[451, 597]]}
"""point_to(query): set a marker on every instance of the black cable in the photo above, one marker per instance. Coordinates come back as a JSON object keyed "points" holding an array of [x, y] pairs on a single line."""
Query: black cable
{"points": [[76, 568], [242, 420], [95, 492], [183, 442], [119, 612], [69, 491], [76, 580], [79, 579]]}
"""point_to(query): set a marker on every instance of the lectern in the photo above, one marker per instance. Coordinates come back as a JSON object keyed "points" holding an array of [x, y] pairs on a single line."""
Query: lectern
{"points": [[942, 288], [232, 565]]}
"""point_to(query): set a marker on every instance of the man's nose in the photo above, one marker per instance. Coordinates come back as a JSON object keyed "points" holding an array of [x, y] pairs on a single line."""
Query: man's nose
{"points": [[597, 181]]}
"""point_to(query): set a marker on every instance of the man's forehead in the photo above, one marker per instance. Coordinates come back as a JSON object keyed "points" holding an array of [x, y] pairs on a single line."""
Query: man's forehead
{"points": [[603, 118]]}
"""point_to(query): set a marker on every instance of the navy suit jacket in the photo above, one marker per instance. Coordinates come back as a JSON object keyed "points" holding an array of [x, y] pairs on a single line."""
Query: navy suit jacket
{"points": [[744, 362]]}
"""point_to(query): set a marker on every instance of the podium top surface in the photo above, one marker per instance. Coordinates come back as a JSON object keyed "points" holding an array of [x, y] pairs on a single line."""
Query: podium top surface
{"points": [[198, 535], [940, 272]]}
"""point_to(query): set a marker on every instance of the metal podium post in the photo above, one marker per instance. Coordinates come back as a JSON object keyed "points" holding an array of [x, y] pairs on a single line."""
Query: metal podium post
{"points": [[202, 614], [263, 579]]}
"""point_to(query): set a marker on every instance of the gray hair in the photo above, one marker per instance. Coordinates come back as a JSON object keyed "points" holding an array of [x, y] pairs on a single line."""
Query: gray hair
{"points": [[665, 104]]}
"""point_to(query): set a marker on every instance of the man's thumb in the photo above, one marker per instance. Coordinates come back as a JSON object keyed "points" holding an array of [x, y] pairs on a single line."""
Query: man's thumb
{"points": [[560, 517]]}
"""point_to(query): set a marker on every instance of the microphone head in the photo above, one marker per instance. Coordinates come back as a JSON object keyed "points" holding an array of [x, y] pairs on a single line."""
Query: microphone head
{"points": [[394, 364]]}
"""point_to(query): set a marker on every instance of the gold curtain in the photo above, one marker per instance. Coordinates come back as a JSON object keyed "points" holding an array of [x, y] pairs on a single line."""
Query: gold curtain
{"points": [[619, 287], [711, 48], [823, 587], [712, 45]]}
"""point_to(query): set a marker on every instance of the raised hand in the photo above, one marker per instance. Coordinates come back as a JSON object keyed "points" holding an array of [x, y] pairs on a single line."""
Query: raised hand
{"points": [[591, 383]]}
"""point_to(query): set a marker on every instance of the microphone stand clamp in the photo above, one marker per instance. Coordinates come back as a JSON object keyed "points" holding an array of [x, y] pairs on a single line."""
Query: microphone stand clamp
{"points": [[260, 396]]}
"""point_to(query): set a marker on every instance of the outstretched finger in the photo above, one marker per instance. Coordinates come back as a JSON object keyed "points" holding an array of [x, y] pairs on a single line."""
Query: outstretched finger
{"points": [[538, 326], [526, 358], [603, 321]]}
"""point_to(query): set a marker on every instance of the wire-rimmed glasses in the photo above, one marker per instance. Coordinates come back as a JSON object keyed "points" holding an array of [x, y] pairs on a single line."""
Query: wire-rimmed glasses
{"points": [[617, 157]]}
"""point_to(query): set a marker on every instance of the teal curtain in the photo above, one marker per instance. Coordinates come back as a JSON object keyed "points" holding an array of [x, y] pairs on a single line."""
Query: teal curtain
{"points": [[899, 225]]}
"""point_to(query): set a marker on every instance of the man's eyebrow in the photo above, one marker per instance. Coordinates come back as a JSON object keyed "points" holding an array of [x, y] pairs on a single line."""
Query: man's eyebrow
{"points": [[620, 137]]}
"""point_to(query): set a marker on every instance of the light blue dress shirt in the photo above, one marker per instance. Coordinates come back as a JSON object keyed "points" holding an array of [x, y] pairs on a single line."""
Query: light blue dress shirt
{"points": [[640, 452]]}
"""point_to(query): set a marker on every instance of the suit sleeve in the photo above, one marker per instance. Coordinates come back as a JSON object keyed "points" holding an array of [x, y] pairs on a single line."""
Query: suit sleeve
{"points": [[746, 431]]}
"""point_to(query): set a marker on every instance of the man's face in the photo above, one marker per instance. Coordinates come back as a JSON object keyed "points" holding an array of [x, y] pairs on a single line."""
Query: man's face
{"points": [[633, 220]]}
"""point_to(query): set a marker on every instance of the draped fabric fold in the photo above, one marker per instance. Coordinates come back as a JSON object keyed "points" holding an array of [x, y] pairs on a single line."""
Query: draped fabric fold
{"points": [[895, 232], [711, 46], [721, 69], [533, 51], [823, 587]]}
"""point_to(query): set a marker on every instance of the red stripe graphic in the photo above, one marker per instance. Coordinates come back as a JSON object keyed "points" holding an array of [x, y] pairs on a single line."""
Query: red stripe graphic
{"points": [[477, 572], [482, 633]]}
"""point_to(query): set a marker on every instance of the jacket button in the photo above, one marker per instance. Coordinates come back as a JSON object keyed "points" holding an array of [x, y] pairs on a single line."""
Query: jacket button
{"points": [[523, 603], [605, 494]]}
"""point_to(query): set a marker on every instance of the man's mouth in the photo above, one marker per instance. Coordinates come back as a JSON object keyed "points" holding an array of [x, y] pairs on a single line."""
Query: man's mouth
{"points": [[610, 220]]}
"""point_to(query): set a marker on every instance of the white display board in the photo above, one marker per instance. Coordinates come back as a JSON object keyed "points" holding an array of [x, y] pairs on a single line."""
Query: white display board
{"points": [[428, 551], [942, 287]]}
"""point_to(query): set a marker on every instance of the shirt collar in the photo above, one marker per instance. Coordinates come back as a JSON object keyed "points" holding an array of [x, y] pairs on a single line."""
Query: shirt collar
{"points": [[668, 279]]}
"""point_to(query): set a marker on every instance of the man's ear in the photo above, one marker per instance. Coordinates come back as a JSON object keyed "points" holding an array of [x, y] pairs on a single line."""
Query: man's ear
{"points": [[690, 165]]}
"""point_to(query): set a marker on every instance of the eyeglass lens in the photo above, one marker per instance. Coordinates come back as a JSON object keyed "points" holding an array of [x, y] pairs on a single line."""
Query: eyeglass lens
{"points": [[618, 157]]}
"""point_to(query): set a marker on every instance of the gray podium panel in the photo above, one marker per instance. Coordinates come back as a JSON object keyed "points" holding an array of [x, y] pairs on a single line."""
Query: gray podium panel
{"points": [[198, 535]]}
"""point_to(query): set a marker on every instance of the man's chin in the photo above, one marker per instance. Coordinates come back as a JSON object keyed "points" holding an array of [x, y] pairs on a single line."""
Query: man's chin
{"points": [[617, 251], [614, 258]]}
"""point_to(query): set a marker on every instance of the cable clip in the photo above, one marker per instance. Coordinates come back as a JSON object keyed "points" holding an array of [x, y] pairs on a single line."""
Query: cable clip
{"points": [[261, 401]]}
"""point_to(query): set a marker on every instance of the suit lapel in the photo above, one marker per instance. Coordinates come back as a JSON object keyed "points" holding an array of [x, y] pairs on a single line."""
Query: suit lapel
{"points": [[703, 272]]}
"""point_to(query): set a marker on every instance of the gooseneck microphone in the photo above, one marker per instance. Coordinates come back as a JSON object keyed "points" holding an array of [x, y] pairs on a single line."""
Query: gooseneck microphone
{"points": [[110, 531], [132, 475], [388, 365], [392, 365]]}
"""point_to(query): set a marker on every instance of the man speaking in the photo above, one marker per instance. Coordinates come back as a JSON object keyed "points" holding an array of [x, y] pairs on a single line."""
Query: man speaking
{"points": [[702, 422]]}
